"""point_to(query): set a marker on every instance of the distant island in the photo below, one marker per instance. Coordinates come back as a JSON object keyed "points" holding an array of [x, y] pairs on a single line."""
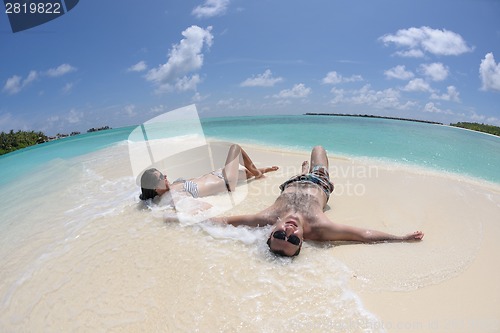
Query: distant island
{"points": [[371, 116], [13, 141], [489, 129]]}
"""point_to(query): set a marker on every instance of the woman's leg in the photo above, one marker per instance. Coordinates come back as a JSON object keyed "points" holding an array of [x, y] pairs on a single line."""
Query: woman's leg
{"points": [[231, 168], [233, 161]]}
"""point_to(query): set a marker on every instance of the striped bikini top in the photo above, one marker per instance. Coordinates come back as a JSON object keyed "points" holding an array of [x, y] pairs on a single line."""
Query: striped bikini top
{"points": [[189, 186]]}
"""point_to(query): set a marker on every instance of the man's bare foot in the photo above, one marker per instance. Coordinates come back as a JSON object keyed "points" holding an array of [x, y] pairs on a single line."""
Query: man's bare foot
{"points": [[266, 170], [305, 167]]}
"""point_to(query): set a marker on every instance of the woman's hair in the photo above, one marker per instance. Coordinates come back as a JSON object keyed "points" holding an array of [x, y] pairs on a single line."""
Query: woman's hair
{"points": [[149, 182]]}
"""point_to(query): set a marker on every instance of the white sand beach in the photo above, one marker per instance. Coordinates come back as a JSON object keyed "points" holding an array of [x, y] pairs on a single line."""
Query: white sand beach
{"points": [[95, 261]]}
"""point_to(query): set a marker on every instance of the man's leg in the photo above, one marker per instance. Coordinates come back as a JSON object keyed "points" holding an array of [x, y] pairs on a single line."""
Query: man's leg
{"points": [[319, 166], [318, 157], [305, 167]]}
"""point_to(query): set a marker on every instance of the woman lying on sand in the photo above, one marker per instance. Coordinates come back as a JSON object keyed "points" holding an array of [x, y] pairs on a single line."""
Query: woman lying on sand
{"points": [[154, 183]]}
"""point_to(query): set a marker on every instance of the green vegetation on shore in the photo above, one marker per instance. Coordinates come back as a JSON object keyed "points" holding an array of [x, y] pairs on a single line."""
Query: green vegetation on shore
{"points": [[490, 129], [13, 141]]}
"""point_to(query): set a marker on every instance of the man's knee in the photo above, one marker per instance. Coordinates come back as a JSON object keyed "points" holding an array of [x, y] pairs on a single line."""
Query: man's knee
{"points": [[318, 157], [319, 149]]}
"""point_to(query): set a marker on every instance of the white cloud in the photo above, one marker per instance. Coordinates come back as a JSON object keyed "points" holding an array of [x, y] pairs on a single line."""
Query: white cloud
{"points": [[185, 57], [61, 70], [32, 76], [493, 120], [158, 109], [67, 87], [225, 102], [187, 83], [398, 72], [129, 110], [297, 91], [435, 71], [332, 78], [339, 96], [197, 97], [489, 71], [335, 78], [74, 116], [5, 119], [211, 8], [233, 104], [417, 85], [53, 119], [433, 108], [262, 80], [139, 67], [452, 94], [379, 99], [15, 84], [477, 117], [417, 41], [411, 53]]}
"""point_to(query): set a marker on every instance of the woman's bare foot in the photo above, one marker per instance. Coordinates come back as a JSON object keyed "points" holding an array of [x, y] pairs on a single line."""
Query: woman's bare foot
{"points": [[305, 167], [266, 170], [415, 236]]}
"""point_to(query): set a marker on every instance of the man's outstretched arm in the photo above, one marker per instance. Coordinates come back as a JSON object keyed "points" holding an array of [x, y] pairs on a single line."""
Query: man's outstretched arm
{"points": [[373, 236], [339, 232]]}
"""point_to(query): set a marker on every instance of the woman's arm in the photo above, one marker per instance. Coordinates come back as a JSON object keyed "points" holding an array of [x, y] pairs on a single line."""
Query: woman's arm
{"points": [[186, 206], [255, 220]]}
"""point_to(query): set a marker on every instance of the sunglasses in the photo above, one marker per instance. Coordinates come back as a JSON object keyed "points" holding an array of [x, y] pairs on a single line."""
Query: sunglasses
{"points": [[280, 234], [162, 176]]}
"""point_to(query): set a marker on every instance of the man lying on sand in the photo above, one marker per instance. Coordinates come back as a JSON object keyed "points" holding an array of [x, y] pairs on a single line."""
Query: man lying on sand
{"points": [[154, 183], [297, 214]]}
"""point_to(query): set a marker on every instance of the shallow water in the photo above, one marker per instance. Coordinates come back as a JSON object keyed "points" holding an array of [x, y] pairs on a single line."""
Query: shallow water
{"points": [[86, 255], [436, 147]]}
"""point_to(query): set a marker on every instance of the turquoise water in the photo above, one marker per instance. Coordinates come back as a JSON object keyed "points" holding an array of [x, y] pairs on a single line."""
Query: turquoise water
{"points": [[26, 160], [436, 147]]}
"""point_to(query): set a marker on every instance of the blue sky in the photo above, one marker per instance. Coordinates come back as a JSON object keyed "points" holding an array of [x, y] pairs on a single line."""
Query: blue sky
{"points": [[120, 63]]}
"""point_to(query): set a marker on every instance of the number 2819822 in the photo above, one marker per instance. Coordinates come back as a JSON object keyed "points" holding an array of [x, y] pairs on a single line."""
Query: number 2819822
{"points": [[33, 8]]}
